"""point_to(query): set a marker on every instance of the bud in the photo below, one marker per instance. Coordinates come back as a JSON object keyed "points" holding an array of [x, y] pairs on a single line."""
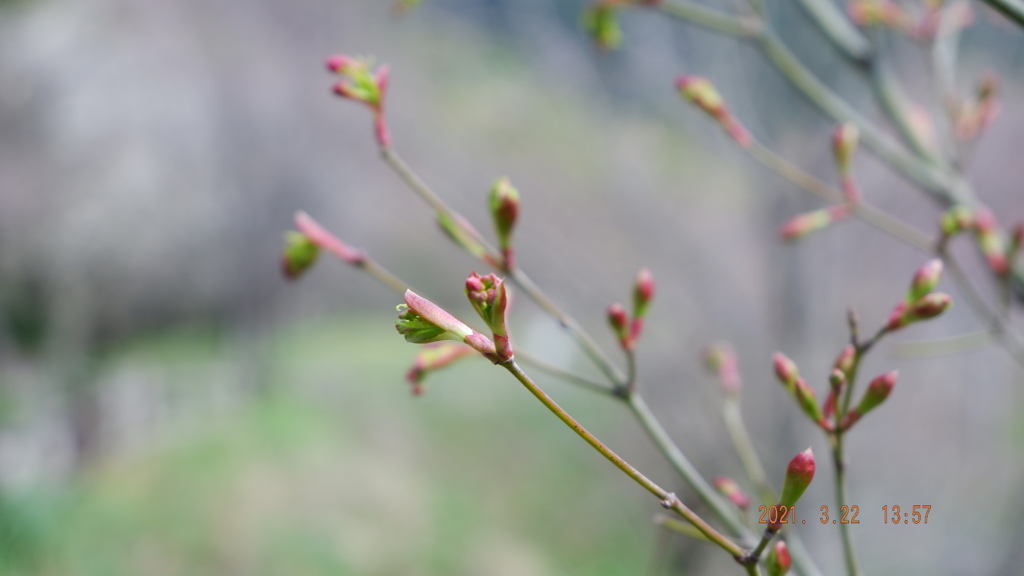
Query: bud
{"points": [[805, 397], [878, 13], [778, 559], [421, 322], [799, 474], [986, 232], [731, 490], [298, 255], [702, 92], [643, 291], [601, 23], [465, 235], [925, 307], [432, 357], [786, 371], [925, 279], [803, 224], [721, 358], [619, 320], [319, 235], [877, 392], [489, 298], [361, 84], [837, 380], [844, 145], [504, 204], [959, 218], [846, 360]]}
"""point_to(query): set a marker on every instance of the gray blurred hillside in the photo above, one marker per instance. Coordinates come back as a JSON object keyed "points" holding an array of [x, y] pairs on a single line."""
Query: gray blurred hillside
{"points": [[152, 154]]}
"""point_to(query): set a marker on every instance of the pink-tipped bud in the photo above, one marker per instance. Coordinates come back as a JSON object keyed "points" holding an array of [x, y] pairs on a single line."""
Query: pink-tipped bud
{"points": [[643, 291], [846, 360], [786, 371], [778, 561], [925, 307], [877, 392], [298, 255], [799, 474], [619, 321], [319, 235], [986, 231], [844, 144], [957, 219], [504, 205], [925, 280], [703, 93], [433, 357], [600, 20], [422, 322], [731, 490], [488, 296], [362, 84], [340, 64], [804, 224], [721, 358]]}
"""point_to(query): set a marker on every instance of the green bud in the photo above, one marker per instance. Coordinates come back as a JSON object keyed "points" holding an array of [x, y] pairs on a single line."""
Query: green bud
{"points": [[299, 254], [504, 205], [602, 24]]}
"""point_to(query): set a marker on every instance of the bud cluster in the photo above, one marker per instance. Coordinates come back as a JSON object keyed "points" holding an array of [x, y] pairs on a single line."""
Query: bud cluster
{"points": [[628, 329], [488, 296], [789, 376], [920, 302], [362, 84]]}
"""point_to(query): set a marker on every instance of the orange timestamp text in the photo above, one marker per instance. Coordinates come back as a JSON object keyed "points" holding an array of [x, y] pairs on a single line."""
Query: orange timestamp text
{"points": [[777, 515]]}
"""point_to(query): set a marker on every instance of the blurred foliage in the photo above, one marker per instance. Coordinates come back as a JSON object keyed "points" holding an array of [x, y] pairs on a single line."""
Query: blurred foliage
{"points": [[299, 481]]}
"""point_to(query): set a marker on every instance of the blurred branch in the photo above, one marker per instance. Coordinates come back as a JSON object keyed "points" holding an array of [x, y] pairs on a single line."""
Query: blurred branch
{"points": [[668, 499], [1012, 9], [839, 30], [712, 19]]}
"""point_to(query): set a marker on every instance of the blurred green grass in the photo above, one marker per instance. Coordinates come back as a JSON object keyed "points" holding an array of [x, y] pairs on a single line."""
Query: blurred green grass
{"points": [[336, 469]]}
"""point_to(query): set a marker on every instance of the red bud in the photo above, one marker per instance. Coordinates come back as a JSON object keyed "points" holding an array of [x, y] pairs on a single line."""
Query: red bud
{"points": [[778, 561], [731, 490]]}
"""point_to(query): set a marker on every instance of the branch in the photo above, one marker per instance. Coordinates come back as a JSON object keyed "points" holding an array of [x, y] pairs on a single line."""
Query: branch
{"points": [[668, 499], [1012, 9]]}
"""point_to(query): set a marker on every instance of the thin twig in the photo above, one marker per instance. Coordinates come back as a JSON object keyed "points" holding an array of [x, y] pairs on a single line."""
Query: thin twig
{"points": [[682, 464], [669, 500]]}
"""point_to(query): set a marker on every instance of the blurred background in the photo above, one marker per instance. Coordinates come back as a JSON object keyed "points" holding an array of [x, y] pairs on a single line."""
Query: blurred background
{"points": [[170, 405]]}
